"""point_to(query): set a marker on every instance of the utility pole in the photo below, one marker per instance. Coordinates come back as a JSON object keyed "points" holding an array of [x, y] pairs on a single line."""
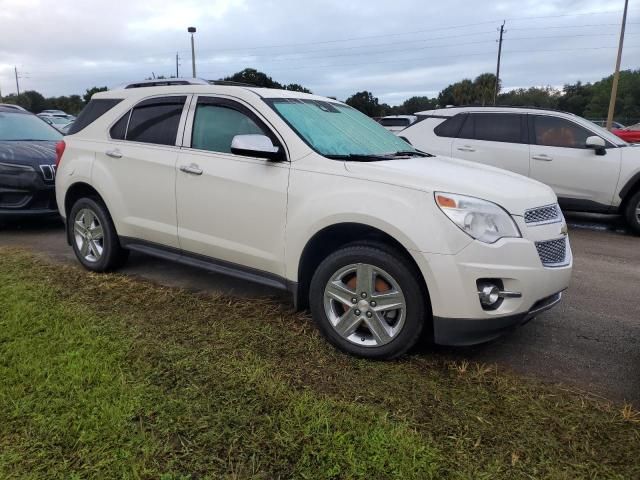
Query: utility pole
{"points": [[15, 69], [192, 30], [616, 74], [497, 86], [177, 66]]}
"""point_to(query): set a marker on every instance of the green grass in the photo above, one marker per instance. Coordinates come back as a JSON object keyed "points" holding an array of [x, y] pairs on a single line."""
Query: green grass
{"points": [[103, 376]]}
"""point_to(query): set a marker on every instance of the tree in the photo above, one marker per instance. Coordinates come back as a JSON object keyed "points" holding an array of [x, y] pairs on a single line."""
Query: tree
{"points": [[37, 102], [22, 100], [295, 87], [544, 97], [90, 91], [464, 92], [484, 86], [254, 77], [365, 102], [417, 104]]}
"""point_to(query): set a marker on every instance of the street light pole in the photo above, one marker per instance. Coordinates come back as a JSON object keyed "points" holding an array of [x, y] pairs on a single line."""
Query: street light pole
{"points": [[192, 30], [616, 74]]}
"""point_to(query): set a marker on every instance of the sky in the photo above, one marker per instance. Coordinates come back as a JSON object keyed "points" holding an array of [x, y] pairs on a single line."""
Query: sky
{"points": [[395, 49]]}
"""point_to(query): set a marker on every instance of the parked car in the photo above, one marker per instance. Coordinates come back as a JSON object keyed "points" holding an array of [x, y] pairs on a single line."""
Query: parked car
{"points": [[11, 106], [589, 168], [27, 165], [629, 134], [603, 124], [58, 122], [53, 112], [396, 123], [304, 193]]}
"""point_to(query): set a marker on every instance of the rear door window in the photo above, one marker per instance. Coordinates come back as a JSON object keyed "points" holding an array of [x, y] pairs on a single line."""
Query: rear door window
{"points": [[155, 120], [494, 127]]}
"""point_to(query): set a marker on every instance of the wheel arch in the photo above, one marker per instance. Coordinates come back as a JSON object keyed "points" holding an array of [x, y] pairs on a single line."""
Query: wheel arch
{"points": [[629, 190], [75, 192], [337, 235]]}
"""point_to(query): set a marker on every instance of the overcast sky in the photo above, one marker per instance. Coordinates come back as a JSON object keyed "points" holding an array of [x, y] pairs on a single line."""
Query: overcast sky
{"points": [[395, 49]]}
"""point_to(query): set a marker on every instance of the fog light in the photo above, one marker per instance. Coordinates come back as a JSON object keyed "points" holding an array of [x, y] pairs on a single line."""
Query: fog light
{"points": [[489, 295]]}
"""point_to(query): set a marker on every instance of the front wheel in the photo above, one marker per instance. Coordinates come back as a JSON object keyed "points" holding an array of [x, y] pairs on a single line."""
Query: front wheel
{"points": [[632, 213], [367, 301], [93, 236]]}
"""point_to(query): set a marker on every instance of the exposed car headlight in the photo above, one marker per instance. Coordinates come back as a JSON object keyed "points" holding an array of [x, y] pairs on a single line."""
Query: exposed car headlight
{"points": [[480, 219], [10, 168]]}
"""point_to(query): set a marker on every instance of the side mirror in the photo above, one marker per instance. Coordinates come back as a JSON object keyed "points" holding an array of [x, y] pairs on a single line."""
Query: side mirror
{"points": [[259, 146], [597, 144]]}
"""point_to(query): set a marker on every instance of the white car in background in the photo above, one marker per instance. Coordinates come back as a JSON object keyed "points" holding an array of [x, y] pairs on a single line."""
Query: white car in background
{"points": [[304, 193], [589, 168], [397, 123]]}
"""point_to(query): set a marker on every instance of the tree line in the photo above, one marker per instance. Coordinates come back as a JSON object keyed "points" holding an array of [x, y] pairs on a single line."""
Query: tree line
{"points": [[590, 100]]}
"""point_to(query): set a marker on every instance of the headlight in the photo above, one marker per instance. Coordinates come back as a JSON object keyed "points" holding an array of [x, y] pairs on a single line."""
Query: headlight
{"points": [[480, 219], [9, 168]]}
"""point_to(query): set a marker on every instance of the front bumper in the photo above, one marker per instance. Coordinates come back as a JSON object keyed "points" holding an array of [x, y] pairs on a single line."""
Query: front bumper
{"points": [[464, 331], [452, 280], [27, 194]]}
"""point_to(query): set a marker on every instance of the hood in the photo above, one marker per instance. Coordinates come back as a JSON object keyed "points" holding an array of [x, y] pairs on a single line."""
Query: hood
{"points": [[515, 193], [32, 153]]}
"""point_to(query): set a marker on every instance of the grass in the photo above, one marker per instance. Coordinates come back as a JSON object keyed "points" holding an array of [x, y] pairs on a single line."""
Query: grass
{"points": [[103, 376]]}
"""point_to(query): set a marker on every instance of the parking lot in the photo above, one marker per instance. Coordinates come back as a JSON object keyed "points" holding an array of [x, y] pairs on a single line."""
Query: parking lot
{"points": [[590, 342]]}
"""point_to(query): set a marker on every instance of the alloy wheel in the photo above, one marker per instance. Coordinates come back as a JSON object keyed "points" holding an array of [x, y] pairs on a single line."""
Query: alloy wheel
{"points": [[365, 305], [88, 235]]}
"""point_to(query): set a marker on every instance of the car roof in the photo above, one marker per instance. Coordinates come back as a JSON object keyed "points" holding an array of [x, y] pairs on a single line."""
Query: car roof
{"points": [[141, 91], [451, 111], [11, 109]]}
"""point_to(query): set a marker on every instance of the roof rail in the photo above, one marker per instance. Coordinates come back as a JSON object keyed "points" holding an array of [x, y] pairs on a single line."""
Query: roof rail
{"points": [[504, 106], [166, 82], [231, 83]]}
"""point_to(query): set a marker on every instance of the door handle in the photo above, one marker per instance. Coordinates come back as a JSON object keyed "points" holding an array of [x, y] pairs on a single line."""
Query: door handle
{"points": [[542, 157], [192, 169], [466, 148], [113, 153]]}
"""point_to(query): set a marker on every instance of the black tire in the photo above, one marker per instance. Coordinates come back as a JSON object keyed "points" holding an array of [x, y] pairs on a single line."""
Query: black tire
{"points": [[113, 255], [403, 272], [631, 213]]}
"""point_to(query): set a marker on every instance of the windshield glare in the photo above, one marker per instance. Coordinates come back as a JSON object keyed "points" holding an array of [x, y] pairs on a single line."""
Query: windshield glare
{"points": [[337, 130], [22, 126]]}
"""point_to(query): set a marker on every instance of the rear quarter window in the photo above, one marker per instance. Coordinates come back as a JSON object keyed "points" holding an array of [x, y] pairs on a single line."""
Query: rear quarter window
{"points": [[94, 110], [451, 126]]}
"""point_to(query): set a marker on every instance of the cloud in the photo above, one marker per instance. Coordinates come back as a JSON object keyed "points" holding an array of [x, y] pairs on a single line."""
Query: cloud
{"points": [[394, 49]]}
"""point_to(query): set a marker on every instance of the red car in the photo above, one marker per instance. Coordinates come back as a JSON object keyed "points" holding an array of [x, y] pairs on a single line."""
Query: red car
{"points": [[628, 134]]}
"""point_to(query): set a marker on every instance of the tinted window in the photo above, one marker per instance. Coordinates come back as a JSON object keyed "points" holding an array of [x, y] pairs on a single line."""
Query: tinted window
{"points": [[450, 127], [493, 127], [119, 130], [395, 122], [214, 127], [156, 121], [558, 132], [94, 110]]}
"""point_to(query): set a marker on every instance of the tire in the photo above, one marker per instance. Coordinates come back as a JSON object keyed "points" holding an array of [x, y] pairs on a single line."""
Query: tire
{"points": [[632, 213], [98, 252], [358, 324]]}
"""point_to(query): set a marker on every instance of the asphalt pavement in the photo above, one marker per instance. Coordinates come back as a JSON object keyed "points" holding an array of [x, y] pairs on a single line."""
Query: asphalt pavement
{"points": [[590, 342]]}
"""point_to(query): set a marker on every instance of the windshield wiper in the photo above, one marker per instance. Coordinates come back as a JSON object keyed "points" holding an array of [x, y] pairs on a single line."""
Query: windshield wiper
{"points": [[417, 153], [362, 157]]}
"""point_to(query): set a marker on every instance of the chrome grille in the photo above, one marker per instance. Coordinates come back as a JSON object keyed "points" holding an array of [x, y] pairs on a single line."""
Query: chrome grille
{"points": [[548, 214], [553, 253]]}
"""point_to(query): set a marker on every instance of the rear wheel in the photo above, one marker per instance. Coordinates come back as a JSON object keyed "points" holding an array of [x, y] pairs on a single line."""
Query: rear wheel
{"points": [[93, 236], [632, 213], [367, 301]]}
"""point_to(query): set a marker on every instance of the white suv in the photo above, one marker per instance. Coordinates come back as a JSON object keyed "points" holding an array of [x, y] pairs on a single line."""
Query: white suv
{"points": [[304, 193], [589, 168]]}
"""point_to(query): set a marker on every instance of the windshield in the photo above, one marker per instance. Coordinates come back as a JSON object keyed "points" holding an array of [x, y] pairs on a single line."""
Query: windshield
{"points": [[336, 130], [22, 126]]}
